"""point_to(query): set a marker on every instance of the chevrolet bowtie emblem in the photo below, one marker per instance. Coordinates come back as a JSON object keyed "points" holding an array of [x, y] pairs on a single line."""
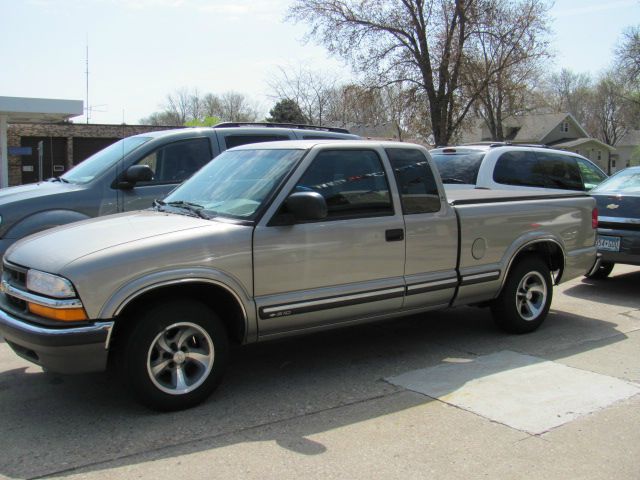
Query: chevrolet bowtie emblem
{"points": [[612, 206]]}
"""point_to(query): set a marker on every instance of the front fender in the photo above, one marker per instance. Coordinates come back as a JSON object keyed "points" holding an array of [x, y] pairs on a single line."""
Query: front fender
{"points": [[139, 286]]}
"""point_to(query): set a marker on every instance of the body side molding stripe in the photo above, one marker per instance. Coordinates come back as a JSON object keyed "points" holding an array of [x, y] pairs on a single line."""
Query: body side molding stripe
{"points": [[424, 287], [274, 311], [480, 277]]}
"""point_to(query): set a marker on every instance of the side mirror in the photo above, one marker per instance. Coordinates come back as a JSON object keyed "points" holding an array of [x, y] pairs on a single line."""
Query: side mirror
{"points": [[302, 206], [135, 174]]}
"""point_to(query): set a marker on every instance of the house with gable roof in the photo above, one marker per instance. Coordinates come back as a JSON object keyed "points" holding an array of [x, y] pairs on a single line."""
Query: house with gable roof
{"points": [[557, 130]]}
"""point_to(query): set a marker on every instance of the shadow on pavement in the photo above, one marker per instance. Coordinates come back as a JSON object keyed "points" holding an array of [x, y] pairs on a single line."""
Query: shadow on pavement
{"points": [[618, 289], [54, 424]]}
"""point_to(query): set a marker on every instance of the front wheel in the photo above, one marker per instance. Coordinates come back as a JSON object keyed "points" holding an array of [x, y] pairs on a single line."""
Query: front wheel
{"points": [[526, 297], [175, 355]]}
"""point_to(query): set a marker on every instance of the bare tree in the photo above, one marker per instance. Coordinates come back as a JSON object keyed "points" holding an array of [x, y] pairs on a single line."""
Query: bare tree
{"points": [[570, 92], [419, 42], [236, 107], [189, 106], [627, 55], [610, 111], [505, 54], [309, 89]]}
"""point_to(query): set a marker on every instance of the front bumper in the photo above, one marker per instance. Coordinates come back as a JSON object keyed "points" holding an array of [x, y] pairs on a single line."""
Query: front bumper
{"points": [[63, 350]]}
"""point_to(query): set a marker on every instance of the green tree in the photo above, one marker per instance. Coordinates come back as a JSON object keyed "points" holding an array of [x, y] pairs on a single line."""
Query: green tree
{"points": [[204, 122], [286, 111]]}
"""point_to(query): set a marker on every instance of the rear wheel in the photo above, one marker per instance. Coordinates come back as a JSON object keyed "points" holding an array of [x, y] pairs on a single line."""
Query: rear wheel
{"points": [[174, 357], [602, 272], [526, 297]]}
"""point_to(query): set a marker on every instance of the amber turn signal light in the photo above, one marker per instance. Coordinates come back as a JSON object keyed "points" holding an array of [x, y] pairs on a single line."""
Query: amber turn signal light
{"points": [[62, 314]]}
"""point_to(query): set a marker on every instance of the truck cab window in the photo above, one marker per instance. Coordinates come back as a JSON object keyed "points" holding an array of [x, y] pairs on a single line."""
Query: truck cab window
{"points": [[353, 182], [417, 186]]}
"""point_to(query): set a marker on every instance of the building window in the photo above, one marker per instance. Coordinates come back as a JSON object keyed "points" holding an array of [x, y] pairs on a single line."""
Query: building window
{"points": [[599, 155], [613, 163], [564, 127]]}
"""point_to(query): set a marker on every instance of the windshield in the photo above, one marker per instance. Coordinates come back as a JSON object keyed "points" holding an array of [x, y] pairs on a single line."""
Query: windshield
{"points": [[236, 183], [99, 162], [458, 167], [626, 181]]}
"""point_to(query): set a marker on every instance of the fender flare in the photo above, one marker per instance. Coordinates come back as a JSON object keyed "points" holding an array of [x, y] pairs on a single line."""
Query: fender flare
{"points": [[523, 246], [132, 290]]}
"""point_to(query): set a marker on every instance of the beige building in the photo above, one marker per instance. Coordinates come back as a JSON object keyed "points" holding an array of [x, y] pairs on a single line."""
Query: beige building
{"points": [[557, 130]]}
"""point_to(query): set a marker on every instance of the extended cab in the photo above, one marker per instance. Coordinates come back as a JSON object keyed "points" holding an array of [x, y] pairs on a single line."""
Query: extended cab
{"points": [[130, 174], [279, 239]]}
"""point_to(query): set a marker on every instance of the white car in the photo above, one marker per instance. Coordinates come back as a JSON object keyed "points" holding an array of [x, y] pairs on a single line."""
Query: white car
{"points": [[503, 166]]}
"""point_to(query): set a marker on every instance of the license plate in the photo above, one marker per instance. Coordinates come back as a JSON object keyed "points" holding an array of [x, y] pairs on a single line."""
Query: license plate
{"points": [[610, 244]]}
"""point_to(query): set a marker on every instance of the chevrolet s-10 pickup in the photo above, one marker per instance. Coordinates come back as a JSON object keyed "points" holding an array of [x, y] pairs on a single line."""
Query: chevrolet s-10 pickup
{"points": [[277, 239]]}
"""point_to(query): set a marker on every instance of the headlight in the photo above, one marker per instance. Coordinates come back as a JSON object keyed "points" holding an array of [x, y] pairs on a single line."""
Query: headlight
{"points": [[49, 285]]}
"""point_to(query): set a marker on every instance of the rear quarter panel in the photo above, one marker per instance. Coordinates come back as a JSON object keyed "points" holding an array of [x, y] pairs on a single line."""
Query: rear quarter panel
{"points": [[492, 234]]}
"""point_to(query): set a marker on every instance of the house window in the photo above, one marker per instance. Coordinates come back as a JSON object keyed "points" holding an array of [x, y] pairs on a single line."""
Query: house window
{"points": [[613, 163], [564, 127], [599, 155]]}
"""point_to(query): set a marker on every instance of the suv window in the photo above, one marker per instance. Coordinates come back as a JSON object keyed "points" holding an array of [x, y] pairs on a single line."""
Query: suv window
{"points": [[458, 167], [177, 161], [237, 140], [417, 186], [353, 183], [541, 169], [591, 175]]}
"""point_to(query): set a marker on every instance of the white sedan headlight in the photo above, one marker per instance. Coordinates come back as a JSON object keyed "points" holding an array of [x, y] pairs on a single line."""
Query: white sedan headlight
{"points": [[49, 285]]}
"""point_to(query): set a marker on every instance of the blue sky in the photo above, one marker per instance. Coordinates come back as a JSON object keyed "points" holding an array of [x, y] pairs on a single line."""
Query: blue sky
{"points": [[140, 50]]}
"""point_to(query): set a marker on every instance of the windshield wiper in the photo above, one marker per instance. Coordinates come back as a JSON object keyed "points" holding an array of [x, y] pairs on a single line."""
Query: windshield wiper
{"points": [[58, 179], [189, 206]]}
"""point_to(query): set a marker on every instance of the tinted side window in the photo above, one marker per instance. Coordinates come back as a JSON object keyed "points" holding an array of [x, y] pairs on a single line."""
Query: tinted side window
{"points": [[237, 140], [519, 168], [561, 171], [591, 175], [417, 186], [177, 161], [543, 169], [458, 167], [353, 182]]}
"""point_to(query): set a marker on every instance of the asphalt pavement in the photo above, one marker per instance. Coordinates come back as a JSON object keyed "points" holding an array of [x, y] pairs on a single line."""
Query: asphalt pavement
{"points": [[442, 395]]}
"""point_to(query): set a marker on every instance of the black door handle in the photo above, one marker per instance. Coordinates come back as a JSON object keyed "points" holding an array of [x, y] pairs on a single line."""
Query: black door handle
{"points": [[394, 235]]}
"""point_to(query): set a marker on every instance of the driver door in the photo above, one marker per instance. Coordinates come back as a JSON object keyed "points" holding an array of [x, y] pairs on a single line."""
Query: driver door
{"points": [[344, 267]]}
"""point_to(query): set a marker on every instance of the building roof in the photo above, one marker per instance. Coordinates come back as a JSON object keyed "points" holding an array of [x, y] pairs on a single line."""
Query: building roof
{"points": [[40, 110], [580, 141], [534, 128]]}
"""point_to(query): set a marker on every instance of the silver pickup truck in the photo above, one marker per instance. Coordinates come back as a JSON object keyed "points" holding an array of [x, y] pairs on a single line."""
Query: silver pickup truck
{"points": [[279, 239]]}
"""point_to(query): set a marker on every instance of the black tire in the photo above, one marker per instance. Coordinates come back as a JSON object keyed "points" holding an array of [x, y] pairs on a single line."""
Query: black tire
{"points": [[602, 272], [174, 356], [525, 298]]}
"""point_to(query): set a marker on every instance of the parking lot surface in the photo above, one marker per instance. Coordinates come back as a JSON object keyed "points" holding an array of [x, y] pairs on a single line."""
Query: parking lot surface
{"points": [[439, 395]]}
